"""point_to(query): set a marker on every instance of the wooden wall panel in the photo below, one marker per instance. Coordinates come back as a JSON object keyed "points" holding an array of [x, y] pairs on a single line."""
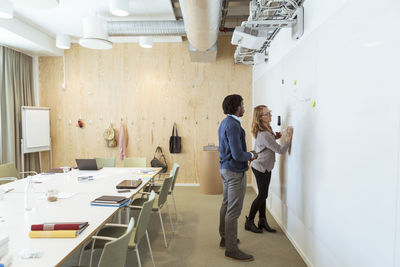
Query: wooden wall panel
{"points": [[150, 89]]}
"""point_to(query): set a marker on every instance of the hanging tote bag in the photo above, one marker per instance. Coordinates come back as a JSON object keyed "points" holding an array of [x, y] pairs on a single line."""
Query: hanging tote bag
{"points": [[175, 141], [159, 161]]}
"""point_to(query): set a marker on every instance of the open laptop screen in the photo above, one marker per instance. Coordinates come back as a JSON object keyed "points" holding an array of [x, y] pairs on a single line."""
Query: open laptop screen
{"points": [[87, 164]]}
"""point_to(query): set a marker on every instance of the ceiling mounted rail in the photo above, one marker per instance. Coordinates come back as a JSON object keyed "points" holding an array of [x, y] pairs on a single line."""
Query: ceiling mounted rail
{"points": [[266, 19]]}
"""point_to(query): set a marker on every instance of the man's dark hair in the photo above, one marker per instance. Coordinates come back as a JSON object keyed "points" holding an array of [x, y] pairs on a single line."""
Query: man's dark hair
{"points": [[231, 104]]}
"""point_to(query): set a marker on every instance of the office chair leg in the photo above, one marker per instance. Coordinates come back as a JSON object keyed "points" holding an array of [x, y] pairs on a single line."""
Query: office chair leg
{"points": [[81, 254], [176, 211], [162, 227], [137, 255], [151, 252], [127, 215], [91, 253], [119, 216], [170, 219]]}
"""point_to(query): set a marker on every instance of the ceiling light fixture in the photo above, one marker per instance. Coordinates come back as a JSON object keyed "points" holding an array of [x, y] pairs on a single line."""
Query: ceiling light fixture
{"points": [[6, 10], [119, 7], [95, 35], [63, 41], [146, 41]]}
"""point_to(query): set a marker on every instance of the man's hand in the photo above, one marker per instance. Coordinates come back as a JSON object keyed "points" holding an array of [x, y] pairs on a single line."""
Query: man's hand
{"points": [[255, 155]]}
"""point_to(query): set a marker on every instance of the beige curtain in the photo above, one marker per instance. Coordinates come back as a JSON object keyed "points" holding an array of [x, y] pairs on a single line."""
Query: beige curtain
{"points": [[16, 90]]}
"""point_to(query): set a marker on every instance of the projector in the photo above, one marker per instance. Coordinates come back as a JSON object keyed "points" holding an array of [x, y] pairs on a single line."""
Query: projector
{"points": [[247, 37]]}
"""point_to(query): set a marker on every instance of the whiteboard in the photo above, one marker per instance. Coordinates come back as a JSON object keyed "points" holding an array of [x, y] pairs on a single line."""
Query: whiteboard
{"points": [[35, 129]]}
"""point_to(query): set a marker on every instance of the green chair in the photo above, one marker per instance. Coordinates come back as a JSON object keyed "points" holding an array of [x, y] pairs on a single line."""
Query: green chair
{"points": [[105, 162], [134, 162], [114, 248], [114, 230], [159, 202], [156, 187], [8, 173]]}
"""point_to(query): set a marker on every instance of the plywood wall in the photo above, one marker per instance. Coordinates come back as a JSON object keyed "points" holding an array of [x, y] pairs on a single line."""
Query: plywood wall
{"points": [[149, 89]]}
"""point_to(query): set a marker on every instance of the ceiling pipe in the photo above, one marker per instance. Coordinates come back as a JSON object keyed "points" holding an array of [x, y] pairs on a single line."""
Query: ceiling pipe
{"points": [[202, 20], [146, 28]]}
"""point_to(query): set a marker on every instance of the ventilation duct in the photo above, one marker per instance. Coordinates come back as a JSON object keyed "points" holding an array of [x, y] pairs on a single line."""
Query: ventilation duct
{"points": [[202, 19], [146, 28]]}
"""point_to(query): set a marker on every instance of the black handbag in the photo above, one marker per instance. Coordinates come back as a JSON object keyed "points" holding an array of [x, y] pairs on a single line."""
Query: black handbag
{"points": [[159, 163], [175, 141]]}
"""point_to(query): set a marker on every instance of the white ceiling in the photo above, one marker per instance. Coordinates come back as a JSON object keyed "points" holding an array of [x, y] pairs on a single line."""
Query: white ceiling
{"points": [[23, 30]]}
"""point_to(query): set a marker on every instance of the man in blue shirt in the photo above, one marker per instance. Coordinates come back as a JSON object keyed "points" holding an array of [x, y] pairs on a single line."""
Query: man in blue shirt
{"points": [[234, 164]]}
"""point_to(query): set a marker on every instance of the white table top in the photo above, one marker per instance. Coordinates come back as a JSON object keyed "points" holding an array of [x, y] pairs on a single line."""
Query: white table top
{"points": [[15, 221]]}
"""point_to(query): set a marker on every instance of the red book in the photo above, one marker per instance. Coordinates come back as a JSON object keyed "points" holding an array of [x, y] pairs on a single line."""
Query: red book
{"points": [[58, 226]]}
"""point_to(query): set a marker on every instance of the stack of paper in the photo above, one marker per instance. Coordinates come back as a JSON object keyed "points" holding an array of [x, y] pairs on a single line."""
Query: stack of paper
{"points": [[5, 258], [60, 229]]}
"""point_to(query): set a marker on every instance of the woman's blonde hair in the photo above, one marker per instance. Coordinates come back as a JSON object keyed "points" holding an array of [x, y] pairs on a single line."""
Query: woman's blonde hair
{"points": [[258, 125]]}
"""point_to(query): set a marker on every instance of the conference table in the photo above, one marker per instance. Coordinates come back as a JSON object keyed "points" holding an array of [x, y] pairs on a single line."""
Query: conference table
{"points": [[15, 221]]}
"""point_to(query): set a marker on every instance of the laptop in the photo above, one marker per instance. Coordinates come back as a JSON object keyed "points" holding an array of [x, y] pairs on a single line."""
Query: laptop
{"points": [[87, 164], [129, 184]]}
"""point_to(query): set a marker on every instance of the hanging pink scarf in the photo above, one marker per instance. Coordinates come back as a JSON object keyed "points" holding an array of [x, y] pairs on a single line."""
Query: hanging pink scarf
{"points": [[122, 142]]}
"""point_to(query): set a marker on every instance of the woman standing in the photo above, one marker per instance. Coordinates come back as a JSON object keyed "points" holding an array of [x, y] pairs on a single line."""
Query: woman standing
{"points": [[266, 147]]}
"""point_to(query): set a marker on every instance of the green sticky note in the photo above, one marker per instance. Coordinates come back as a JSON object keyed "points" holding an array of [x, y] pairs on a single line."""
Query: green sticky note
{"points": [[295, 82], [313, 104]]}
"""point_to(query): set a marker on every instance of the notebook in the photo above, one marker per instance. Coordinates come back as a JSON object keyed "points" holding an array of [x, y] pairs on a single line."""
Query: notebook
{"points": [[129, 184], [55, 170], [57, 233], [58, 226], [110, 199], [87, 165], [113, 201]]}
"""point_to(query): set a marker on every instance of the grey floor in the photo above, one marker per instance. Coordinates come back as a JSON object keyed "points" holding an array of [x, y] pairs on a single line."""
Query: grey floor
{"points": [[196, 239]]}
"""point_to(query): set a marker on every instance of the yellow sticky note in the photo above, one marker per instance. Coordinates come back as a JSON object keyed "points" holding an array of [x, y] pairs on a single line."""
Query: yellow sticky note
{"points": [[295, 82], [313, 104]]}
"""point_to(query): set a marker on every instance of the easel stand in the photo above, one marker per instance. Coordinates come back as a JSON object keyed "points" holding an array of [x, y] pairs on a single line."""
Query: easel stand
{"points": [[39, 149]]}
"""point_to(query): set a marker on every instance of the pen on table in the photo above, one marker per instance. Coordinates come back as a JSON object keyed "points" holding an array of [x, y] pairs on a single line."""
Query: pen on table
{"points": [[9, 190]]}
